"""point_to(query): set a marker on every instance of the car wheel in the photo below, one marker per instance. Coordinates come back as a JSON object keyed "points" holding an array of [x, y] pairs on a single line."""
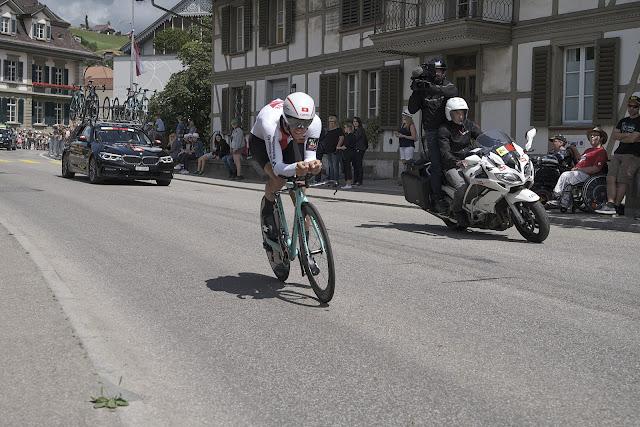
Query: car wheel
{"points": [[163, 182], [93, 171], [66, 173]]}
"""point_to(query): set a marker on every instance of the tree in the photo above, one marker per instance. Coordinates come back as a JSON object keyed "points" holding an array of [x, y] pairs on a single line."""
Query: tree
{"points": [[170, 40], [86, 21], [188, 92]]}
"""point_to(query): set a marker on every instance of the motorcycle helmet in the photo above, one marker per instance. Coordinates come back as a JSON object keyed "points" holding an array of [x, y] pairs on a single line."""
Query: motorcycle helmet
{"points": [[455, 104], [298, 110]]}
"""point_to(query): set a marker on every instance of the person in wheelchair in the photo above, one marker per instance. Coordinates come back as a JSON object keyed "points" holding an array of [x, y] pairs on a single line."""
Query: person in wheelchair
{"points": [[591, 163], [567, 155]]}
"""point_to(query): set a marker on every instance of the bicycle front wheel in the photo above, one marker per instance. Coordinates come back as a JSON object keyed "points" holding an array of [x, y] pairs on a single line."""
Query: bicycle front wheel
{"points": [[106, 108], [317, 256]]}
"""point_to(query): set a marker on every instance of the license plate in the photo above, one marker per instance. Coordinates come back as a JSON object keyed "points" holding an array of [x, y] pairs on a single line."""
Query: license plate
{"points": [[142, 168]]}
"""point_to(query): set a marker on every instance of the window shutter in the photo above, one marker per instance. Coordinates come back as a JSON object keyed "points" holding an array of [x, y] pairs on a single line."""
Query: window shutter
{"points": [[226, 28], [33, 72], [605, 103], [49, 118], [14, 26], [3, 109], [350, 12], [33, 112], [21, 111], [66, 114], [329, 86], [48, 31], [66, 76], [389, 111], [33, 34], [263, 26], [540, 84], [46, 74], [246, 108], [20, 70], [224, 111], [371, 11], [290, 20], [4, 69], [248, 25], [53, 75]]}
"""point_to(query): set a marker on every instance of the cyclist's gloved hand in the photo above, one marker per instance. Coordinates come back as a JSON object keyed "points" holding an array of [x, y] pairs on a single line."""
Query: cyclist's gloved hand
{"points": [[315, 166], [301, 169]]}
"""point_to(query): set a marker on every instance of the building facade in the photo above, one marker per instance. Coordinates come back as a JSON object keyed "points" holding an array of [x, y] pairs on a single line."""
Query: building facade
{"points": [[559, 65], [41, 60]]}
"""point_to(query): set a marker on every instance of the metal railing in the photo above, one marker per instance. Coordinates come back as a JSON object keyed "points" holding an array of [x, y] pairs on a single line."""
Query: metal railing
{"points": [[404, 14]]}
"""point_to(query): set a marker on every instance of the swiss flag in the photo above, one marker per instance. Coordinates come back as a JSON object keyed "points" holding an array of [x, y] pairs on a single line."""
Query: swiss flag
{"points": [[305, 110]]}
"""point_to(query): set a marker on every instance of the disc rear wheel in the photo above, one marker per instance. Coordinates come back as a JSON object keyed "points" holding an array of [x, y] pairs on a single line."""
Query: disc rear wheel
{"points": [[279, 260], [317, 259]]}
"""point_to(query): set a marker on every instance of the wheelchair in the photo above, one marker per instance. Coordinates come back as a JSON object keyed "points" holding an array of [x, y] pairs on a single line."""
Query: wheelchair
{"points": [[587, 196]]}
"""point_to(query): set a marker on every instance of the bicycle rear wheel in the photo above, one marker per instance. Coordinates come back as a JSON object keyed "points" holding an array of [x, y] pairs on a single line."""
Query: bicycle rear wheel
{"points": [[115, 109], [279, 260], [317, 255], [93, 107], [106, 108]]}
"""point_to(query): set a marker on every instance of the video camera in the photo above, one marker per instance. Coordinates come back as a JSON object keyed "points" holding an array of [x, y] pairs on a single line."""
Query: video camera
{"points": [[422, 76]]}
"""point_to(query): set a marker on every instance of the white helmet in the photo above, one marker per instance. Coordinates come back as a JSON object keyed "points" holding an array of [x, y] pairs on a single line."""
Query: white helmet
{"points": [[298, 110], [455, 104]]}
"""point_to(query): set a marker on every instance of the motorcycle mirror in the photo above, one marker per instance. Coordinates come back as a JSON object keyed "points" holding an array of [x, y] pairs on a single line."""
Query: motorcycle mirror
{"points": [[530, 134]]}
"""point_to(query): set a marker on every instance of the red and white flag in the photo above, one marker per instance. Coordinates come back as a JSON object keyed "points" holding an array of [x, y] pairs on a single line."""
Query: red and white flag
{"points": [[136, 55]]}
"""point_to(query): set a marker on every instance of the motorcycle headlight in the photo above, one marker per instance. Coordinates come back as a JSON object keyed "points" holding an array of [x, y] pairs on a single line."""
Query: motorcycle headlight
{"points": [[166, 159], [509, 178], [110, 156], [528, 170]]}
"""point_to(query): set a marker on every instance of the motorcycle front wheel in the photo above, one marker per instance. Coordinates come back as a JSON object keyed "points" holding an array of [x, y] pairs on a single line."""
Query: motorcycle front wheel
{"points": [[536, 221]]}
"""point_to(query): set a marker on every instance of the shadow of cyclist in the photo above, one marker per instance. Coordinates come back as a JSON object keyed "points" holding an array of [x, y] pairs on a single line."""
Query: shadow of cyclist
{"points": [[259, 286]]}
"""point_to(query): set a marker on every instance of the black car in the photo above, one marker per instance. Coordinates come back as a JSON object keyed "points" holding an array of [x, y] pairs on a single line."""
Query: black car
{"points": [[7, 139], [106, 150]]}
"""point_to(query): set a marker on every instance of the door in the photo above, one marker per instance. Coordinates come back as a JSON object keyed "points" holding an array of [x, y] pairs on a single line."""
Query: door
{"points": [[463, 77]]}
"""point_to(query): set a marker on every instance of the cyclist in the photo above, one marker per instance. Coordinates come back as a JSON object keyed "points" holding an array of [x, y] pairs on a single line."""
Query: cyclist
{"points": [[284, 140]]}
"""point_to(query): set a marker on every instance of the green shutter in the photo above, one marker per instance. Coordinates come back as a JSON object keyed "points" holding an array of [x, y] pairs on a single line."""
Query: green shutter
{"points": [[49, 113], [263, 19], [540, 85], [350, 12], [3, 109], [20, 70], [66, 76], [224, 111], [21, 111], [329, 89], [371, 11], [66, 114], [46, 74], [246, 108], [605, 102], [226, 28], [390, 90], [248, 25], [290, 19]]}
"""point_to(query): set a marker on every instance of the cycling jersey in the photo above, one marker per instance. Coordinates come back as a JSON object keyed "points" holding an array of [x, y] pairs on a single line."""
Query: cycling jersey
{"points": [[267, 128]]}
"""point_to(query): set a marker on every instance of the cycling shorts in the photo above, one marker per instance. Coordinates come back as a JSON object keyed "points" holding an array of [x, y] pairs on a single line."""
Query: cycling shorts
{"points": [[259, 151]]}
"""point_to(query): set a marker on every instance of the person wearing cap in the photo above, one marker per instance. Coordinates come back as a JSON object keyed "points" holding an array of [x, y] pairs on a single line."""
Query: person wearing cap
{"points": [[333, 139], [406, 137], [566, 155], [592, 161], [233, 161], [195, 151], [626, 158]]}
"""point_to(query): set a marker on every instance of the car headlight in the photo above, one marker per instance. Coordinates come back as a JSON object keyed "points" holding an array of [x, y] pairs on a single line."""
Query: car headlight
{"points": [[509, 177], [110, 156], [166, 159]]}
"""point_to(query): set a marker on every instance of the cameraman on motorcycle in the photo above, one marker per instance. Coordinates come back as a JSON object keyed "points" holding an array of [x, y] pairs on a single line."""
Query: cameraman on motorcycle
{"points": [[455, 139], [430, 93]]}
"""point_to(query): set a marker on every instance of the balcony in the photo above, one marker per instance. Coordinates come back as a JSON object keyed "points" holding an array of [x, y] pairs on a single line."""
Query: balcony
{"points": [[411, 27]]}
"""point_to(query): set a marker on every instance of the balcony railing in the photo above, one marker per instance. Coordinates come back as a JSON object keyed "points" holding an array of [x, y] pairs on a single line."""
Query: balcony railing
{"points": [[404, 14]]}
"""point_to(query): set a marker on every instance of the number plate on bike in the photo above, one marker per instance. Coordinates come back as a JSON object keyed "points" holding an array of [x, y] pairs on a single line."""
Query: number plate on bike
{"points": [[142, 168]]}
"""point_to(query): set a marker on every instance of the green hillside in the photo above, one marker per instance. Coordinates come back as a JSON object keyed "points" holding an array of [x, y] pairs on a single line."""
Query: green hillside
{"points": [[103, 41]]}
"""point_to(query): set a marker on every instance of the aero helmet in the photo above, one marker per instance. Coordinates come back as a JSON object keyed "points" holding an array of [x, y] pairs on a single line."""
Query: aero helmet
{"points": [[455, 104], [298, 110]]}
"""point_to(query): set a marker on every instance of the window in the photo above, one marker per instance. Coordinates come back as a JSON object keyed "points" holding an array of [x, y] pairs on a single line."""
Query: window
{"points": [[59, 76], [10, 70], [38, 112], [374, 93], [58, 114], [276, 22], [467, 8], [236, 27], [38, 73], [236, 104], [40, 29], [352, 95], [579, 84], [240, 29], [6, 25], [357, 13], [12, 110], [279, 12]]}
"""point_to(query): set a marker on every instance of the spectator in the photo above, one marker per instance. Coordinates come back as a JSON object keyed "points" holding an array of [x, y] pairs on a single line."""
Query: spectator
{"points": [[566, 155], [180, 130], [192, 127], [148, 129], [592, 162], [348, 149], [625, 161], [361, 146], [233, 161], [219, 147], [194, 151], [407, 138], [333, 139], [159, 132], [174, 146]]}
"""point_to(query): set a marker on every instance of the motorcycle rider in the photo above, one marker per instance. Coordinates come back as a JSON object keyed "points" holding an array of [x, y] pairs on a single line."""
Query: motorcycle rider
{"points": [[455, 140], [431, 90]]}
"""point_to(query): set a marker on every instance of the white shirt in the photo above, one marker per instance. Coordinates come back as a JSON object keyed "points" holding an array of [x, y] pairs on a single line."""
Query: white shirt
{"points": [[267, 128]]}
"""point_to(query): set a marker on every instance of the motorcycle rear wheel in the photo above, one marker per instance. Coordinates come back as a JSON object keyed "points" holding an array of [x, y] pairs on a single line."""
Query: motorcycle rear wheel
{"points": [[536, 226]]}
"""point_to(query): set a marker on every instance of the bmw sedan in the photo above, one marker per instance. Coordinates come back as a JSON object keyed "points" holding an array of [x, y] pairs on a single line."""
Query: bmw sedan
{"points": [[107, 150]]}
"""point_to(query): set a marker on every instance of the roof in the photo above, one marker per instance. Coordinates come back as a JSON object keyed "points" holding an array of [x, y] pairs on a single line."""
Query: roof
{"points": [[100, 76], [101, 27]]}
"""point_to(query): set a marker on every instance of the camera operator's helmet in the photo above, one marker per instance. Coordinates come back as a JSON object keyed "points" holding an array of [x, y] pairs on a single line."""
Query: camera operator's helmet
{"points": [[455, 104], [438, 64], [298, 110]]}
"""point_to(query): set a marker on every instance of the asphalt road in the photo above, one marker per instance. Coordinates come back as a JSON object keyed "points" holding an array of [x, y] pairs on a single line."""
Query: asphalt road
{"points": [[169, 289]]}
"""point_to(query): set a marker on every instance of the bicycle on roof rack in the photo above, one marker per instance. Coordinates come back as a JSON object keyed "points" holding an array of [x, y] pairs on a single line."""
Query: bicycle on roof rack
{"points": [[135, 107], [85, 103]]}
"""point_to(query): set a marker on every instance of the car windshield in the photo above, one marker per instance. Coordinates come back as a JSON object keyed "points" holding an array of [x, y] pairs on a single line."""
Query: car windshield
{"points": [[493, 138], [5, 132], [121, 135]]}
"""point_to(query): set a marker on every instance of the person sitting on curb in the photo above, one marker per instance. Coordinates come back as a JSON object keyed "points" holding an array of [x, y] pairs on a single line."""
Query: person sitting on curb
{"points": [[219, 149], [591, 163], [192, 153]]}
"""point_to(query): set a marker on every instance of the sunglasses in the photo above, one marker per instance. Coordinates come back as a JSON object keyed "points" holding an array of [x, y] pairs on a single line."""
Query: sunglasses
{"points": [[297, 123], [633, 106]]}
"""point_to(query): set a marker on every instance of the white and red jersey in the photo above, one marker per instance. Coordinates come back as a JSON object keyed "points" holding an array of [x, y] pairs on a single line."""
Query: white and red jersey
{"points": [[267, 127]]}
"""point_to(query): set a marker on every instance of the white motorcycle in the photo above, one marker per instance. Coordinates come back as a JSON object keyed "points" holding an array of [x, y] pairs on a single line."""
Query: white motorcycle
{"points": [[499, 175]]}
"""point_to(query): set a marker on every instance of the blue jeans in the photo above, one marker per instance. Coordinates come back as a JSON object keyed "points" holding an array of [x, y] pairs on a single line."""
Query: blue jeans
{"points": [[229, 164], [334, 166], [433, 147]]}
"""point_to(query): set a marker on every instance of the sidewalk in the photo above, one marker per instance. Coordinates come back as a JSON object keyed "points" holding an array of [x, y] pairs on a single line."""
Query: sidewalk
{"points": [[387, 192]]}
